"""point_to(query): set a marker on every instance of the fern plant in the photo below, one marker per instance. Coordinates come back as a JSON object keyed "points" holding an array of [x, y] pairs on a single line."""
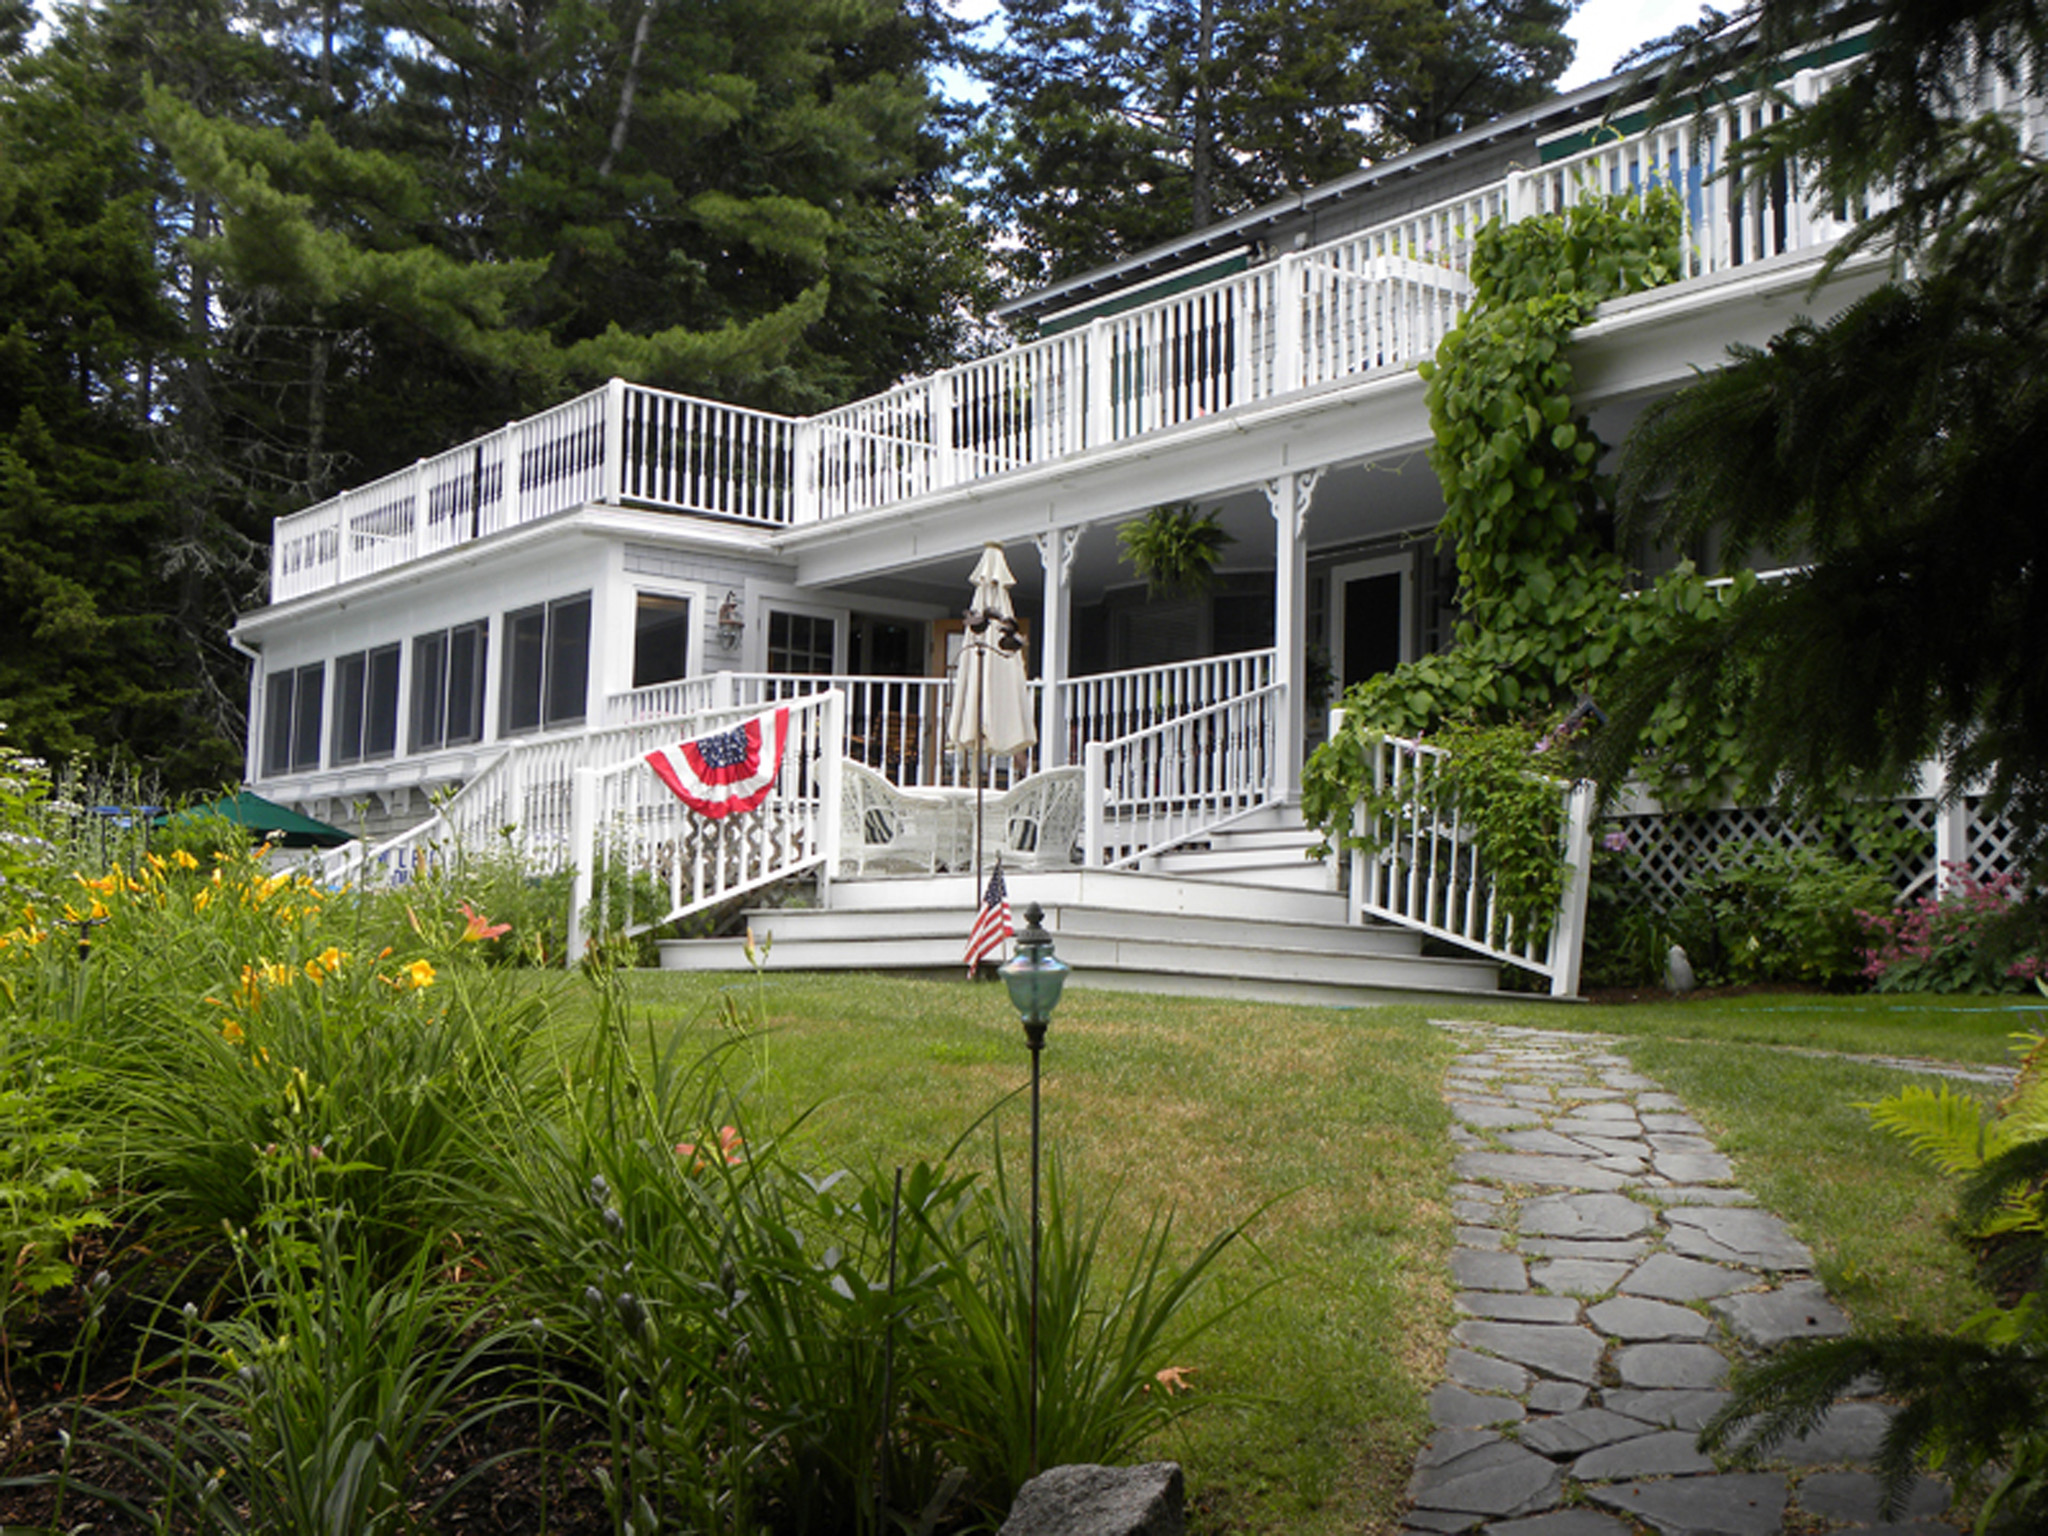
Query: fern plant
{"points": [[1976, 1401], [1175, 547]]}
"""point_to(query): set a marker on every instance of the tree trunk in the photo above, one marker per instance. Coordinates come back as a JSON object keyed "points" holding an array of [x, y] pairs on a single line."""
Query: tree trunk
{"points": [[564, 262], [1202, 157], [627, 89]]}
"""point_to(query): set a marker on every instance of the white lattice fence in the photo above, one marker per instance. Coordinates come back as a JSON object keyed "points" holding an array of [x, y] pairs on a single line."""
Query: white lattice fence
{"points": [[1668, 852], [1990, 842]]}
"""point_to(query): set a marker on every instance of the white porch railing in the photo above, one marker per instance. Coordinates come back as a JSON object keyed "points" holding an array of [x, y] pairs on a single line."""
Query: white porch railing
{"points": [[619, 442], [1106, 705], [894, 725], [1176, 781], [643, 858], [897, 725], [1421, 870], [518, 804], [1380, 298]]}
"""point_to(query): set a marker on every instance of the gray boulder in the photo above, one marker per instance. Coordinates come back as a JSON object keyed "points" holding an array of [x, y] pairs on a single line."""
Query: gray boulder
{"points": [[1100, 1501]]}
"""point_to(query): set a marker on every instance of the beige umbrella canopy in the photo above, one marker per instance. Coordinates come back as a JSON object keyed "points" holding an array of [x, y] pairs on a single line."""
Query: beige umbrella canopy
{"points": [[991, 699]]}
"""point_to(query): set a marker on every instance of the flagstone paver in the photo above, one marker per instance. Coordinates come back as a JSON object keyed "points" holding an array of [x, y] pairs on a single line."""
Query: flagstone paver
{"points": [[1610, 1271]]}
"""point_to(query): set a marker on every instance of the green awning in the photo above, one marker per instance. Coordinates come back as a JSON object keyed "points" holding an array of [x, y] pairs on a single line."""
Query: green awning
{"points": [[266, 819]]}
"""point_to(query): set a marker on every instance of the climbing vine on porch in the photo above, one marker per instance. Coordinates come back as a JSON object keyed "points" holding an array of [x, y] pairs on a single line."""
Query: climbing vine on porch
{"points": [[1541, 594], [1517, 459]]}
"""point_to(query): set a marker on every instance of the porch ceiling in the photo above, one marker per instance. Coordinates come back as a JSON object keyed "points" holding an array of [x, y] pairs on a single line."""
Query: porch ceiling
{"points": [[1353, 503]]}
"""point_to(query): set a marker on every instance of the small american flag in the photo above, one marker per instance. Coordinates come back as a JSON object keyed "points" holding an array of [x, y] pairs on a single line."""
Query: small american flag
{"points": [[991, 923]]}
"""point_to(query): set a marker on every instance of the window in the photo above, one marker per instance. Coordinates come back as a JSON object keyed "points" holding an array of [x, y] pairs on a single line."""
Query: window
{"points": [[448, 687], [800, 643], [291, 719], [661, 639], [366, 705], [547, 664]]}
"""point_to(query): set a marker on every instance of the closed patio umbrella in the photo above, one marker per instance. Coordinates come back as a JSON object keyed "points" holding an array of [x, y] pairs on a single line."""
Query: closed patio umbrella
{"points": [[991, 698]]}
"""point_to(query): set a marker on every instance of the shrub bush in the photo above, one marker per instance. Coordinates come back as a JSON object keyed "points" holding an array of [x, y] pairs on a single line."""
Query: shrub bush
{"points": [[770, 1349], [1773, 915], [350, 1139], [1780, 915], [1975, 936]]}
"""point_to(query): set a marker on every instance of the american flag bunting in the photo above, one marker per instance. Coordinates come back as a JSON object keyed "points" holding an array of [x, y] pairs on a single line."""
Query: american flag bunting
{"points": [[726, 772]]}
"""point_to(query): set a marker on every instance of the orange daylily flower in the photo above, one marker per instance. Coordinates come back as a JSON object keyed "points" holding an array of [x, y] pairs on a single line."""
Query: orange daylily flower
{"points": [[478, 928], [730, 1144]]}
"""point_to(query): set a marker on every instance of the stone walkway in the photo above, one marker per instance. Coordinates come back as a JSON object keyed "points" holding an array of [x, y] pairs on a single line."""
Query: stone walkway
{"points": [[1609, 1271]]}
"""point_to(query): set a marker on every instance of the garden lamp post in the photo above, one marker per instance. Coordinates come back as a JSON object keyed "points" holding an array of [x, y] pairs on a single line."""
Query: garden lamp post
{"points": [[1034, 978]]}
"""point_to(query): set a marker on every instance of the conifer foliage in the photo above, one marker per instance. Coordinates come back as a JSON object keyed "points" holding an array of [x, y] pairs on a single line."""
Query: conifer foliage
{"points": [[253, 254], [1897, 453], [1118, 124]]}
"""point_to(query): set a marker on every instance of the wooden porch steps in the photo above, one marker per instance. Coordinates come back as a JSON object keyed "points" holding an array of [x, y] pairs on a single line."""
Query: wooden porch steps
{"points": [[1119, 930]]}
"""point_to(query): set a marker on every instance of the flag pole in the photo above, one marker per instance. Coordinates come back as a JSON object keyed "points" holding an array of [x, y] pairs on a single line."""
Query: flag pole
{"points": [[980, 735]]}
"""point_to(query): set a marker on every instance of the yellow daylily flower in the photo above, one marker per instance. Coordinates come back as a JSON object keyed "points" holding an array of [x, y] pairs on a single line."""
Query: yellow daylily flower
{"points": [[414, 976]]}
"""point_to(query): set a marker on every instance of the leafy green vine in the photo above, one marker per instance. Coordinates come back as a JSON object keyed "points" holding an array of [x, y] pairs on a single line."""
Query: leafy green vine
{"points": [[1546, 606], [1550, 613], [1514, 818], [1516, 457]]}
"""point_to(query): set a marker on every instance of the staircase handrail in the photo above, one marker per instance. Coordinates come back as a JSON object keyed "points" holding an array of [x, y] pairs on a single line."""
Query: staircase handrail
{"points": [[1420, 870], [624, 821], [402, 856], [1167, 784]]}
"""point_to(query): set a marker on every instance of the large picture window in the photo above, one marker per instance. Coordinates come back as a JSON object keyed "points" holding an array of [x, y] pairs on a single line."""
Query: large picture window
{"points": [[547, 665], [448, 687], [291, 718], [661, 639], [366, 705]]}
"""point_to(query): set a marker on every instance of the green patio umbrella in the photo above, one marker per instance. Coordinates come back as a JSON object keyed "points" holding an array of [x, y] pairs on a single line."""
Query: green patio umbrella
{"points": [[265, 819]]}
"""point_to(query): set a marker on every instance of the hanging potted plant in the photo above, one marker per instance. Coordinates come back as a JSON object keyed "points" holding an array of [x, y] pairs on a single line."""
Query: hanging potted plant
{"points": [[1175, 547]]}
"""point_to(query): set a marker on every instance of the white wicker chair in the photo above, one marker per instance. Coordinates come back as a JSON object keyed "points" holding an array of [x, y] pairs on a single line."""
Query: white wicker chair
{"points": [[886, 830], [1036, 824]]}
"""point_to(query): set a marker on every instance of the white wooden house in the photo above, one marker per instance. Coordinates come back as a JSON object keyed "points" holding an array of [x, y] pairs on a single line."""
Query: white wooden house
{"points": [[560, 594]]}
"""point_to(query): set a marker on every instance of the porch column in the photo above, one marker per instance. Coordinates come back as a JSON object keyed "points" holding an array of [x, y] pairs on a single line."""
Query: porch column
{"points": [[1289, 497], [1056, 554]]}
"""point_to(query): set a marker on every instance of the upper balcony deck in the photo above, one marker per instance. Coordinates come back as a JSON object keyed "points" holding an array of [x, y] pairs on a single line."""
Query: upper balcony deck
{"points": [[1375, 300]]}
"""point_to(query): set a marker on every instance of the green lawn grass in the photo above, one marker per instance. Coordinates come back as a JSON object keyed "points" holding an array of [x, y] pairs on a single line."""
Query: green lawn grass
{"points": [[1331, 1120], [1955, 1029]]}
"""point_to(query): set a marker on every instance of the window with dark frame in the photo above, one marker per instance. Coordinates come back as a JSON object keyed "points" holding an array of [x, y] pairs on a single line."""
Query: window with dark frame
{"points": [[800, 644], [661, 639], [448, 686], [547, 665], [291, 718], [366, 705]]}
